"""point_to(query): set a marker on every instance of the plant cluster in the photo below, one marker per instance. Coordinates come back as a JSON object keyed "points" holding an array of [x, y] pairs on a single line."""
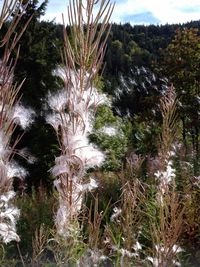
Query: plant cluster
{"points": [[154, 208]]}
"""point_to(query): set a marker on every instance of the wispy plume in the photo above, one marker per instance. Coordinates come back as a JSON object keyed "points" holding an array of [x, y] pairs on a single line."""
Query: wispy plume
{"points": [[73, 118], [8, 216], [73, 107], [11, 114], [23, 116]]}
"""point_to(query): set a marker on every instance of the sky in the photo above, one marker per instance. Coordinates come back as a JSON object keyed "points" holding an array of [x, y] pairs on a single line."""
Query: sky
{"points": [[139, 11]]}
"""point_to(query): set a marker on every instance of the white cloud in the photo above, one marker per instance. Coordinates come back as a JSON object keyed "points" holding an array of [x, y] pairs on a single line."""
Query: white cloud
{"points": [[165, 11]]}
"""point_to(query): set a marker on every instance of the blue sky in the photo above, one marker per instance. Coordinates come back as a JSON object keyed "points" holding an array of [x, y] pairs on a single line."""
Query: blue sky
{"points": [[139, 11]]}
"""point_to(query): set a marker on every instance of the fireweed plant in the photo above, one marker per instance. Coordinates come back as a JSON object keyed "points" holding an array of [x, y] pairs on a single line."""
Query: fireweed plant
{"points": [[166, 227], [12, 113], [124, 229], [74, 106]]}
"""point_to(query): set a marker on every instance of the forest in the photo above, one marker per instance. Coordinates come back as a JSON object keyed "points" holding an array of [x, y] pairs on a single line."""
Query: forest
{"points": [[99, 139]]}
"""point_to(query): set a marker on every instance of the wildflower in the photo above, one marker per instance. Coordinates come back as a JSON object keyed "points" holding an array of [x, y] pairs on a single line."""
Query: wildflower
{"points": [[54, 120], [162, 254], [92, 257], [154, 261], [12, 114]]}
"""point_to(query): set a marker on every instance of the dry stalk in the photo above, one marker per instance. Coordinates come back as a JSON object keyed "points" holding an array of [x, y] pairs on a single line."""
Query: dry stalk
{"points": [[166, 227], [39, 243], [122, 235], [94, 224], [11, 114], [166, 231], [168, 106], [73, 116]]}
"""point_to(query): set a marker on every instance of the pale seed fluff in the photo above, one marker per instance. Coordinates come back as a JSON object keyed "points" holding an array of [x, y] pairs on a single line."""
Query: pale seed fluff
{"points": [[90, 186], [57, 101], [166, 176], [137, 246], [64, 212], [54, 120], [116, 213], [156, 262], [166, 251], [8, 170], [91, 156], [3, 144], [125, 252], [73, 118], [14, 170], [92, 257], [175, 249], [110, 131], [8, 217], [23, 116]]}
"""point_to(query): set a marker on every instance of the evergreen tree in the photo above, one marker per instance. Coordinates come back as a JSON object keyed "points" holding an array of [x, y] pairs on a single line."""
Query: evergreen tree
{"points": [[181, 64], [40, 53]]}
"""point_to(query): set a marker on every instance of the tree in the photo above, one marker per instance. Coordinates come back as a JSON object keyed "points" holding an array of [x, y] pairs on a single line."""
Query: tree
{"points": [[181, 65], [40, 53]]}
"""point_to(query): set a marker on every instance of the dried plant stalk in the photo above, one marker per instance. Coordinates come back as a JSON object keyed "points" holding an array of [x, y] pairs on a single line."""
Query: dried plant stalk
{"points": [[168, 106], [11, 114], [74, 106], [167, 230], [166, 227], [39, 243]]}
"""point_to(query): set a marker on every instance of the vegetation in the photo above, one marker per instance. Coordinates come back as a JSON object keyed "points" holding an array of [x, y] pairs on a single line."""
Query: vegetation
{"points": [[117, 181]]}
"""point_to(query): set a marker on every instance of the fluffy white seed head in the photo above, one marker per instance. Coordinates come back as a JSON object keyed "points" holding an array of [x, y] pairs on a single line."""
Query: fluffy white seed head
{"points": [[14, 170], [3, 144], [165, 177], [110, 131], [73, 118], [54, 120], [8, 217], [23, 116], [89, 186], [91, 156], [58, 101], [116, 213]]}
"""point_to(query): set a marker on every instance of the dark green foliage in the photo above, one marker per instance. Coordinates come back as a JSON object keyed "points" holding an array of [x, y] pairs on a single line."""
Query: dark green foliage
{"points": [[115, 145], [43, 145], [39, 56], [133, 81], [181, 63], [36, 210], [132, 55], [138, 93]]}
